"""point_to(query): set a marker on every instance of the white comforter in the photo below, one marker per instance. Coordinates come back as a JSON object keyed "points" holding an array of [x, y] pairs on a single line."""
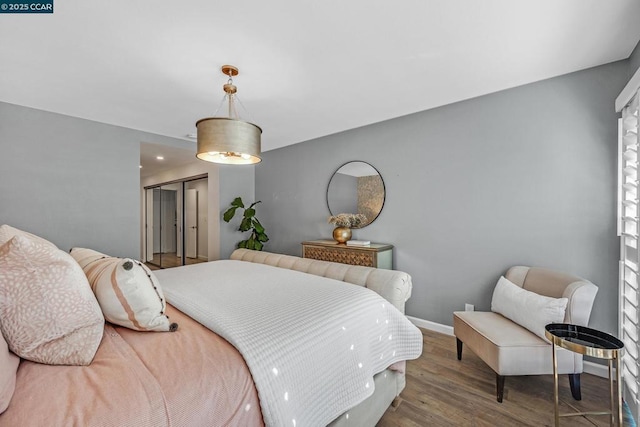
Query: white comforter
{"points": [[312, 344]]}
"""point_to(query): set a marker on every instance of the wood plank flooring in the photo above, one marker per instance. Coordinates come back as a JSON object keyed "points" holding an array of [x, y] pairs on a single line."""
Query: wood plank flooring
{"points": [[169, 260], [442, 391]]}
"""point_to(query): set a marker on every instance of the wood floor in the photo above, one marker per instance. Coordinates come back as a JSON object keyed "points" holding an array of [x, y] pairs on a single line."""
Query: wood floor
{"points": [[168, 260], [442, 391]]}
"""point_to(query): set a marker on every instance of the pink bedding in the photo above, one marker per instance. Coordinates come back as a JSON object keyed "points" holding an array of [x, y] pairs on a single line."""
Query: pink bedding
{"points": [[191, 377]]}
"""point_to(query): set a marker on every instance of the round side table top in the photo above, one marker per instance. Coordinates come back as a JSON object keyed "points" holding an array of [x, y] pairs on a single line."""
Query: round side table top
{"points": [[583, 340]]}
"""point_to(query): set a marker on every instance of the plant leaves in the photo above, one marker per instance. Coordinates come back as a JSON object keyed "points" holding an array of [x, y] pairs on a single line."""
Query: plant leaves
{"points": [[237, 202], [258, 227], [245, 225], [229, 214], [249, 223], [251, 244]]}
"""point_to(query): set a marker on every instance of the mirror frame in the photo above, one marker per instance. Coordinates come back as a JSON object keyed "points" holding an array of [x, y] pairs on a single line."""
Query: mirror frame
{"points": [[384, 189]]}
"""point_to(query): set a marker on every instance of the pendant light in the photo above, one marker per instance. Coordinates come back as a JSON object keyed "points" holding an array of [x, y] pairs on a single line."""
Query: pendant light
{"points": [[228, 140]]}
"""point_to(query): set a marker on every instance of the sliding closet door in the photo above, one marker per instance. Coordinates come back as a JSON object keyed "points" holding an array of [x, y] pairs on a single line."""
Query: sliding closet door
{"points": [[163, 225], [196, 214], [629, 232], [170, 231], [149, 225], [191, 223], [176, 223]]}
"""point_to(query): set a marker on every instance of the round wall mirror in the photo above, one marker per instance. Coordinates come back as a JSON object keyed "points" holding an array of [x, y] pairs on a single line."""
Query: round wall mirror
{"points": [[356, 187]]}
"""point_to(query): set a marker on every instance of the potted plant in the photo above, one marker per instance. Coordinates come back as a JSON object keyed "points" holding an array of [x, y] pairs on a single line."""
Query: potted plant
{"points": [[249, 223], [344, 222]]}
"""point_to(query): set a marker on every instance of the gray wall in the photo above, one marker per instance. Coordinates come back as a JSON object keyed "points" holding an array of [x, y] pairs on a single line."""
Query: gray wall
{"points": [[523, 176], [74, 182], [237, 181], [634, 60]]}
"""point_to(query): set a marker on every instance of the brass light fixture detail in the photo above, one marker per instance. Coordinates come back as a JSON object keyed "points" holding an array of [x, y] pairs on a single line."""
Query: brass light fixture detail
{"points": [[228, 140]]}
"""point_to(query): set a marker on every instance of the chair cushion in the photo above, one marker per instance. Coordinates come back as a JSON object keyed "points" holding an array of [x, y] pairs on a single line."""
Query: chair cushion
{"points": [[508, 348]]}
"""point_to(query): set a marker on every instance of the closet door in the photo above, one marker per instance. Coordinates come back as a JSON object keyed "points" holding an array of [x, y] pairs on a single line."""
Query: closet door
{"points": [[191, 223], [149, 225], [176, 221]]}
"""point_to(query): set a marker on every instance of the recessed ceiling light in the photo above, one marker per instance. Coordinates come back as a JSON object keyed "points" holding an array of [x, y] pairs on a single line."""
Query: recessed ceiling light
{"points": [[140, 166], [159, 157]]}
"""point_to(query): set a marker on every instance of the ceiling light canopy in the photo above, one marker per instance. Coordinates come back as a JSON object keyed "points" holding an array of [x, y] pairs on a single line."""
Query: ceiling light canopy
{"points": [[228, 140]]}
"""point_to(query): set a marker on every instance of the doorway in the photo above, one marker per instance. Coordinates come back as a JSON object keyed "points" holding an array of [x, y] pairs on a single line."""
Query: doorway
{"points": [[176, 218]]}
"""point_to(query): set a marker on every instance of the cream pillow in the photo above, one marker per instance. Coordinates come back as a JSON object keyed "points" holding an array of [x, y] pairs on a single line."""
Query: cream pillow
{"points": [[8, 368], [47, 311], [528, 309], [128, 292]]}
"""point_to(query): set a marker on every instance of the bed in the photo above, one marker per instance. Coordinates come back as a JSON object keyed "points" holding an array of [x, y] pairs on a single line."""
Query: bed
{"points": [[196, 377]]}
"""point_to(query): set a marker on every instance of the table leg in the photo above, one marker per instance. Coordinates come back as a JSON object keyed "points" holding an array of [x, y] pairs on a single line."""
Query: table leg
{"points": [[612, 416], [619, 385], [555, 383]]}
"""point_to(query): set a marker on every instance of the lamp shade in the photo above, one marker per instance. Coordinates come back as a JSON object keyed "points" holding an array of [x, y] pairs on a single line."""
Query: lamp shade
{"points": [[229, 141]]}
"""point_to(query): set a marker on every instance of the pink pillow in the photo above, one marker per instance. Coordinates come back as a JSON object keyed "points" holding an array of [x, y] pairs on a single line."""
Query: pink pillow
{"points": [[48, 313], [7, 233], [8, 368]]}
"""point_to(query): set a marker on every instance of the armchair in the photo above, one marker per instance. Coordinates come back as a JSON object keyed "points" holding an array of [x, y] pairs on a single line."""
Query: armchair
{"points": [[510, 349]]}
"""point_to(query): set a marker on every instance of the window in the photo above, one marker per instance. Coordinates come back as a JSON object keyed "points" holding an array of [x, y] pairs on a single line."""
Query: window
{"points": [[629, 232]]}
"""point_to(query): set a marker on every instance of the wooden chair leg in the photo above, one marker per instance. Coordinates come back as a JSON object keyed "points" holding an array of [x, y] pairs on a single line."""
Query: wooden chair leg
{"points": [[499, 387], [459, 347], [574, 383]]}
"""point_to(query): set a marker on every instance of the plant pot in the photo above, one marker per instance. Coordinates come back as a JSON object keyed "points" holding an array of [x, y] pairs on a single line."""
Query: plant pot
{"points": [[341, 234]]}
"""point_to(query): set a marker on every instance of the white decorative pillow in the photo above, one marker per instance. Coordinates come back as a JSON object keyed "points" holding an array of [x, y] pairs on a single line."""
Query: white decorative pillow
{"points": [[8, 368], [528, 309], [47, 311], [128, 292]]}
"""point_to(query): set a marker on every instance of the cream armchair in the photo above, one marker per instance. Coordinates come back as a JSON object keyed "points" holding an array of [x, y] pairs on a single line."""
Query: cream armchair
{"points": [[510, 349]]}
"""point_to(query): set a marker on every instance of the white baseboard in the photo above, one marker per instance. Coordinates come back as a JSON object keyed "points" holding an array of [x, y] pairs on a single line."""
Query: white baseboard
{"points": [[432, 326], [598, 369], [589, 367]]}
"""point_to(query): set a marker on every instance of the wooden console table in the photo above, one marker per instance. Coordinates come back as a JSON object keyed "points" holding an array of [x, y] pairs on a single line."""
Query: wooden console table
{"points": [[375, 255]]}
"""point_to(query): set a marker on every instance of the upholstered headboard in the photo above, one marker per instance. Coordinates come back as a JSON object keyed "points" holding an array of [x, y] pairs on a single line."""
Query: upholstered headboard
{"points": [[392, 285]]}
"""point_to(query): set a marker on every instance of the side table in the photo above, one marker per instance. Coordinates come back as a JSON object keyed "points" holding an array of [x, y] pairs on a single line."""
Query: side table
{"points": [[378, 255], [588, 342]]}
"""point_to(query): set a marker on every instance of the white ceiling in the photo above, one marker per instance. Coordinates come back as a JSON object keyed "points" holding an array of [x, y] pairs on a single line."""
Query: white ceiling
{"points": [[307, 68]]}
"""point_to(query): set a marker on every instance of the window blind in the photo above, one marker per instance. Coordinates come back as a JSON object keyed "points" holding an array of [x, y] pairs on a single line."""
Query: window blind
{"points": [[629, 232]]}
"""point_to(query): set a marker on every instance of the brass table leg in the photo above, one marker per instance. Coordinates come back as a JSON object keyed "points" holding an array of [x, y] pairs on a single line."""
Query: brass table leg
{"points": [[555, 383], [619, 385], [611, 417]]}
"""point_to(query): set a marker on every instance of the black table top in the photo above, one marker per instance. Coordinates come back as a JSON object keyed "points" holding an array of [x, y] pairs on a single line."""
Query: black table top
{"points": [[584, 340]]}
